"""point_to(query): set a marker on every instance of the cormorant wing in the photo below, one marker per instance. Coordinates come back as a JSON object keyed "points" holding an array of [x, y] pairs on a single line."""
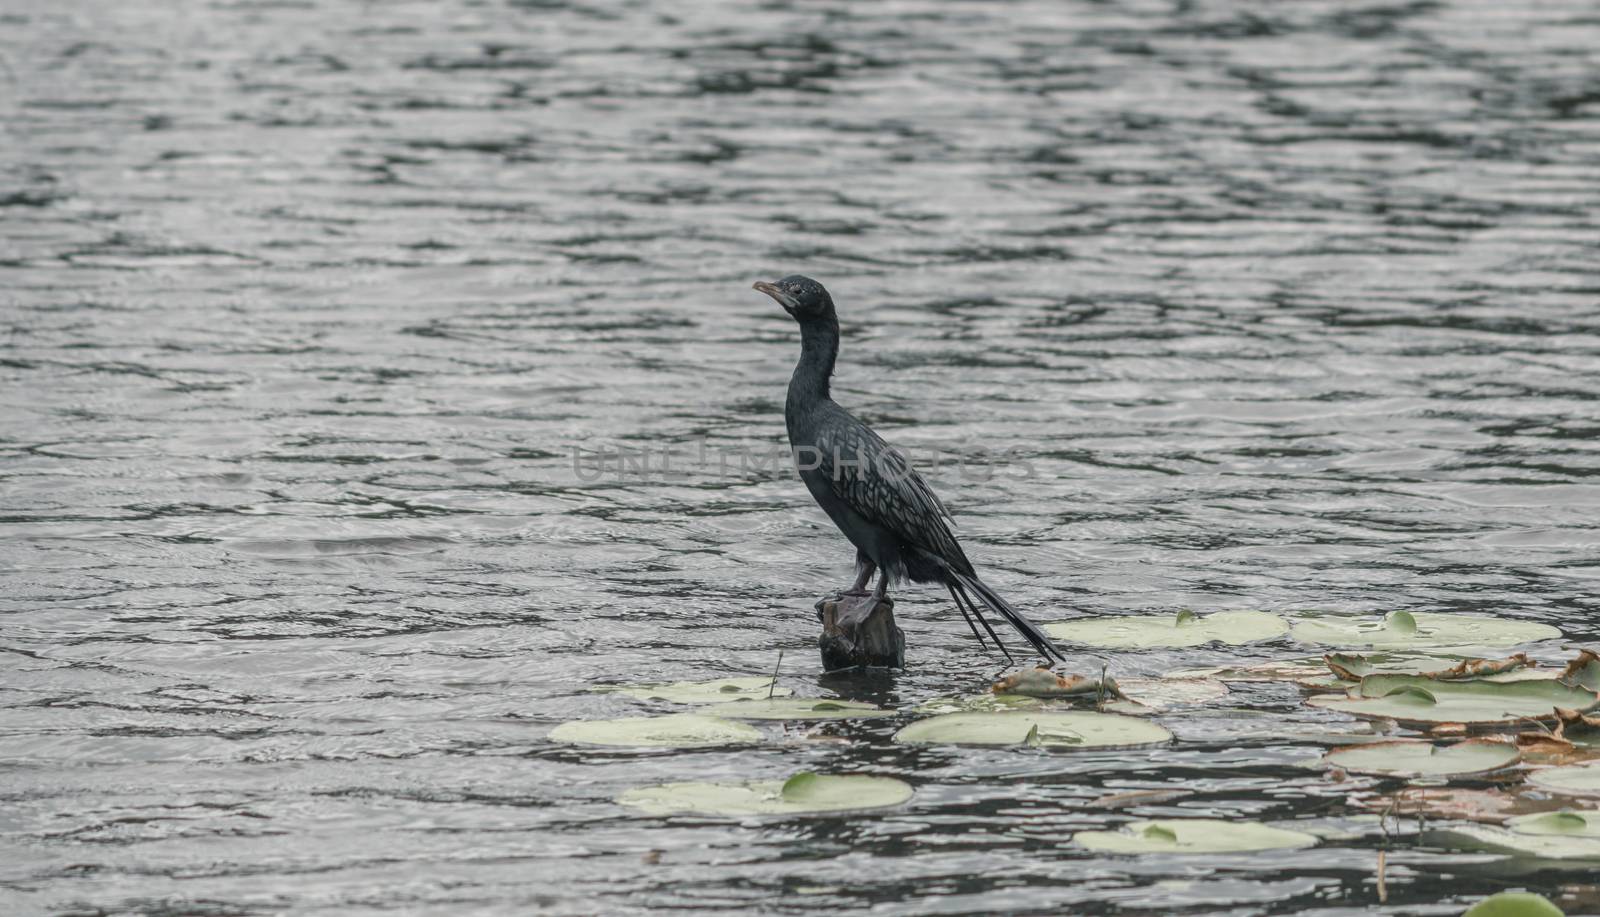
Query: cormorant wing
{"points": [[877, 481]]}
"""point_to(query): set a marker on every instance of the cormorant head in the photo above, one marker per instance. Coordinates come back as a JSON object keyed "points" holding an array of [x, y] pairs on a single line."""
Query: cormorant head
{"points": [[802, 297]]}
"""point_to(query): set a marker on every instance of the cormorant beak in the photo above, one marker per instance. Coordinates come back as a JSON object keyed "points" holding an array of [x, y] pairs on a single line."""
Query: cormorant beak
{"points": [[789, 303]]}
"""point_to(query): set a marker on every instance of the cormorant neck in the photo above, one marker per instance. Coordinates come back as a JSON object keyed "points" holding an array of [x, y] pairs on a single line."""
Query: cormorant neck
{"points": [[819, 347]]}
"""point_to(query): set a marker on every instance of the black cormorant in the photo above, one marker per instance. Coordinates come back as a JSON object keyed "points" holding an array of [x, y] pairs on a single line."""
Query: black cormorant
{"points": [[869, 490]]}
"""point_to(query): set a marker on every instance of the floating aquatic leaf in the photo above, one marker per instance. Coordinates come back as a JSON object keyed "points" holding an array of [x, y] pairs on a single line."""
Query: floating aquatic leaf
{"points": [[794, 708], [1184, 629], [1547, 836], [681, 731], [1483, 668], [1351, 667], [1545, 747], [1514, 904], [1405, 630], [700, 692], [1566, 823], [1414, 700], [1445, 802], [1064, 729], [1583, 671], [1572, 780], [978, 703], [803, 793], [1041, 682], [1193, 835], [1161, 693], [1577, 728], [1409, 758], [1308, 672]]}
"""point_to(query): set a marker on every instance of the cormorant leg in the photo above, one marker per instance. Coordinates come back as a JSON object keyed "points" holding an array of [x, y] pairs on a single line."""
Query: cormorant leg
{"points": [[982, 620], [881, 591], [963, 609], [867, 568]]}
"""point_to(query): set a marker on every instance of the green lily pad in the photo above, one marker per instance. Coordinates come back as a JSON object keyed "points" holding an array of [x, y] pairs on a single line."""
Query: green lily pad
{"points": [[1162, 693], [1194, 835], [1546, 836], [1420, 630], [1044, 729], [1417, 700], [1354, 667], [1514, 904], [1424, 759], [977, 703], [801, 794], [1184, 629], [681, 731], [794, 708], [700, 692], [1572, 780], [1307, 672], [1566, 823]]}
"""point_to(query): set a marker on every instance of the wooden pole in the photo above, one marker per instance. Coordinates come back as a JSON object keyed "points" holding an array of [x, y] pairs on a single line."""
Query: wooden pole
{"points": [[857, 631]]}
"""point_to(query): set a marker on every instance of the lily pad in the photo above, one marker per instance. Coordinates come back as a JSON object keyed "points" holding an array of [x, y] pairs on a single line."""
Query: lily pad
{"points": [[1307, 672], [794, 708], [1566, 823], [1183, 629], [1353, 667], [1044, 729], [1162, 693], [700, 692], [1445, 803], [681, 731], [801, 794], [1514, 904], [1564, 835], [1573, 780], [1415, 700], [1420, 630], [977, 703], [1424, 759], [1194, 835], [1041, 682], [1578, 729], [1583, 671]]}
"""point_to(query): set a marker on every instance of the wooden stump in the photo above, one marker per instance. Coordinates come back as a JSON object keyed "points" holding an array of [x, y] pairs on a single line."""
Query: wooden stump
{"points": [[860, 631]]}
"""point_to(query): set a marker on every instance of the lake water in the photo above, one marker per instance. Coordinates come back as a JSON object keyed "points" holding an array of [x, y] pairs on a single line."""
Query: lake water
{"points": [[312, 311]]}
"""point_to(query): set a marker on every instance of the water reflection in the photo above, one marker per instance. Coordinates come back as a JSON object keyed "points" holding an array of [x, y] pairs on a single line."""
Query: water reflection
{"points": [[309, 307]]}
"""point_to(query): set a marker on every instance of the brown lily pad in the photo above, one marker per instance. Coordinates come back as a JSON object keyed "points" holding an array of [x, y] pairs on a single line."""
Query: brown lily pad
{"points": [[1583, 671], [1577, 727], [1308, 672], [1444, 802], [1356, 666], [1041, 682], [1544, 745]]}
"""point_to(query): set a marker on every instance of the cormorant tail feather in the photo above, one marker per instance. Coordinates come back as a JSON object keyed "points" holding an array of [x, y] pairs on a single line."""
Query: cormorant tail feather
{"points": [[1029, 630]]}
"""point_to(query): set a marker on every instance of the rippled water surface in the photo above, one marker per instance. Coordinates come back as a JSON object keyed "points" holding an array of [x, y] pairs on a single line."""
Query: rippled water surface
{"points": [[308, 305]]}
